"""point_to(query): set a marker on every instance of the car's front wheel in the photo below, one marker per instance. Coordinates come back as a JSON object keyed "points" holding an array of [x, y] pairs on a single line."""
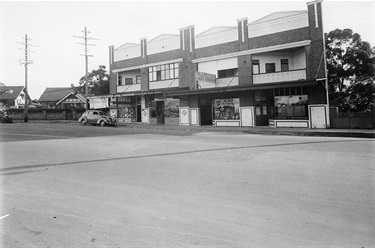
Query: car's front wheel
{"points": [[102, 123], [83, 121]]}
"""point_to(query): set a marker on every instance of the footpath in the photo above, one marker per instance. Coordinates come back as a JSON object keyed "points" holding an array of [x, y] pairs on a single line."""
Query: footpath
{"points": [[358, 133]]}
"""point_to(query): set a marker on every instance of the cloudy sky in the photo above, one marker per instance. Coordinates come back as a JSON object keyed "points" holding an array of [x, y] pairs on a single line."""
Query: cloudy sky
{"points": [[51, 26]]}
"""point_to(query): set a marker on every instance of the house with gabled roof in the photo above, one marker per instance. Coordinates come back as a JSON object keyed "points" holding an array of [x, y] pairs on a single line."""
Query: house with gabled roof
{"points": [[62, 97], [12, 96]]}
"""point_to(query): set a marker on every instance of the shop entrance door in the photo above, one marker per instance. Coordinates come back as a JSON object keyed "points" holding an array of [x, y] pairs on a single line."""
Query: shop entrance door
{"points": [[261, 108], [206, 114], [160, 112], [139, 113]]}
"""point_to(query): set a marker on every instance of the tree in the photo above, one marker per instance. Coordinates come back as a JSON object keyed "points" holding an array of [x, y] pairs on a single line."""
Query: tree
{"points": [[351, 71], [98, 82]]}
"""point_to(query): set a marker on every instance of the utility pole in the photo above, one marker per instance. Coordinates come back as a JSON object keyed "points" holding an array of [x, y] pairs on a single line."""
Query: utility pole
{"points": [[25, 62], [86, 39]]}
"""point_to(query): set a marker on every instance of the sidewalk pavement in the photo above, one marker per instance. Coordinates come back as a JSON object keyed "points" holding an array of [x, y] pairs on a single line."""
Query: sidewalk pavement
{"points": [[358, 133]]}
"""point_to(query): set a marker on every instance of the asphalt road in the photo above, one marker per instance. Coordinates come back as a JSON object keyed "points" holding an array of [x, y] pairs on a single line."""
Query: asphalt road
{"points": [[64, 185]]}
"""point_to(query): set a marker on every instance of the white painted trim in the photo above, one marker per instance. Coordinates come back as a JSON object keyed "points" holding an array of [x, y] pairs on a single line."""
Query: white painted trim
{"points": [[227, 123], [243, 31], [147, 65], [313, 2], [254, 51], [188, 27], [316, 16], [252, 116], [183, 39], [195, 115], [242, 19], [184, 121], [191, 41]]}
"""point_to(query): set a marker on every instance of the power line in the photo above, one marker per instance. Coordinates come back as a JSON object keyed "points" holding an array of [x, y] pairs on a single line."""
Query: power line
{"points": [[86, 38], [25, 62]]}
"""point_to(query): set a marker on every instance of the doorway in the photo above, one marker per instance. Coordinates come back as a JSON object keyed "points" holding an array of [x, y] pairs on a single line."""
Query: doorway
{"points": [[261, 108], [160, 112], [139, 113], [206, 115]]}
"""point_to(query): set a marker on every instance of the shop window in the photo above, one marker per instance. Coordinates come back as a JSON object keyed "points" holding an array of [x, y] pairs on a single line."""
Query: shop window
{"points": [[256, 67], [270, 67], [226, 109], [171, 107], [291, 107], [128, 81], [227, 73], [284, 65]]}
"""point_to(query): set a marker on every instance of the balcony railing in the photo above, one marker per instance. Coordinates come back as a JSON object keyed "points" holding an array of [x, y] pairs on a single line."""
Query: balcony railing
{"points": [[220, 82], [283, 76], [129, 88], [164, 84]]}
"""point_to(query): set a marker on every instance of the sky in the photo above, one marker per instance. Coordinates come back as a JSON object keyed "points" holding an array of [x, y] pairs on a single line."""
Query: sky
{"points": [[52, 25]]}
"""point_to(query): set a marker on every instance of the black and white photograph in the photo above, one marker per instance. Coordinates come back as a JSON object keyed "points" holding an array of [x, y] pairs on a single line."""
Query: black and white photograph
{"points": [[180, 124]]}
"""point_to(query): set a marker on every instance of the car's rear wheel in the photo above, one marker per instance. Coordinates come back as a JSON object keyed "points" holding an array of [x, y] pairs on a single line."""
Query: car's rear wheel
{"points": [[102, 123], [83, 121]]}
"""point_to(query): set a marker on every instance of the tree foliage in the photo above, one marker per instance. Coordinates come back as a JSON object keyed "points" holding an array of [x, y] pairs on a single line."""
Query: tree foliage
{"points": [[98, 82], [350, 65]]}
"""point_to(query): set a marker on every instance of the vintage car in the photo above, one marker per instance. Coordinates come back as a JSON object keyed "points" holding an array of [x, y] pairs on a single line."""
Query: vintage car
{"points": [[97, 117]]}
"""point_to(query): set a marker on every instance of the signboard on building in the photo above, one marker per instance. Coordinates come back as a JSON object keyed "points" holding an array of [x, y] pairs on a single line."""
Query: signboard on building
{"points": [[204, 80]]}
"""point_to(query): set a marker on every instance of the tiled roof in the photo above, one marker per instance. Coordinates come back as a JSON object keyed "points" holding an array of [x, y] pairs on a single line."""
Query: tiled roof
{"points": [[54, 94], [10, 92]]}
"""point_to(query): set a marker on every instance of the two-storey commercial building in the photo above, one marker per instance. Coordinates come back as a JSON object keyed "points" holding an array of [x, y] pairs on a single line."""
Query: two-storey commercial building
{"points": [[269, 72]]}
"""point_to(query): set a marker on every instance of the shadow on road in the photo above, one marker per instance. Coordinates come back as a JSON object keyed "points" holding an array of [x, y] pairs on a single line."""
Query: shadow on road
{"points": [[6, 171]]}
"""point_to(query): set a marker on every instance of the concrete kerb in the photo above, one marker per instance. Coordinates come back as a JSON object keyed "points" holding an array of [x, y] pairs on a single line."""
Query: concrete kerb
{"points": [[356, 133]]}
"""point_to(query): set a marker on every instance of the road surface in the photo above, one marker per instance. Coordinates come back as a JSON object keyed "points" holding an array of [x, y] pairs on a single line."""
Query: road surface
{"points": [[64, 185]]}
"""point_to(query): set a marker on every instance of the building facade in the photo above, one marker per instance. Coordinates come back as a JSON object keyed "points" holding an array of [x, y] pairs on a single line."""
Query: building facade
{"points": [[12, 96], [270, 72], [62, 98]]}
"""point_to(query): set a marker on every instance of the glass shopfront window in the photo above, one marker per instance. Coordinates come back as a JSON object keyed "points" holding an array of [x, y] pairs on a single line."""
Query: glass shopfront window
{"points": [[226, 109], [291, 107], [127, 111], [170, 108]]}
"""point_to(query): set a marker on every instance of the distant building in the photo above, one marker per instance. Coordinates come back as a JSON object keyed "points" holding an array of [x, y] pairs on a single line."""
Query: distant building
{"points": [[12, 96], [62, 98], [269, 72]]}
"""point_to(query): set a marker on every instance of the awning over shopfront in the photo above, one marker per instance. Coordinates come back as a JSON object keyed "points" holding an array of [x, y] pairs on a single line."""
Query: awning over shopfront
{"points": [[240, 88]]}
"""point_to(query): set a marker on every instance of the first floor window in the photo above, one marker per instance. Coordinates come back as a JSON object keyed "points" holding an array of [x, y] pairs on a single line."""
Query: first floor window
{"points": [[227, 73], [119, 79], [163, 72], [270, 67], [284, 65], [138, 79], [128, 81], [256, 67]]}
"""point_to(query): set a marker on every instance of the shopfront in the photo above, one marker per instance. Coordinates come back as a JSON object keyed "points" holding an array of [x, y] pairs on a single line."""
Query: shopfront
{"points": [[164, 111], [226, 112], [290, 107], [128, 108]]}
